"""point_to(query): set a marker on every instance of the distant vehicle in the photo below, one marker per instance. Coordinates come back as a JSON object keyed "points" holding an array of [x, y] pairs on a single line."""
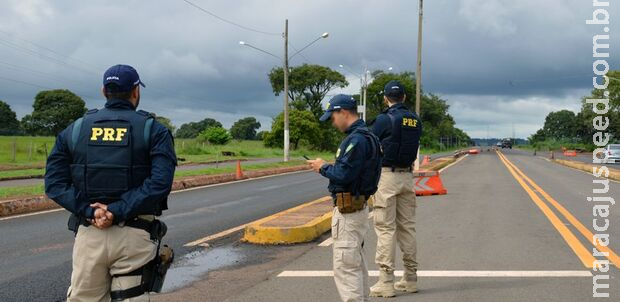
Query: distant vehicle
{"points": [[499, 144], [613, 153], [506, 143]]}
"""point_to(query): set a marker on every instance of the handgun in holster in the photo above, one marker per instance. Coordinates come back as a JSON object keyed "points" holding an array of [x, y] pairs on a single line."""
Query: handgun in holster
{"points": [[154, 272]]}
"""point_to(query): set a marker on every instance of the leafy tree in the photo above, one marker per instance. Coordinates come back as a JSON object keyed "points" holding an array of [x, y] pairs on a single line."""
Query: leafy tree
{"points": [[560, 125], [308, 85], [166, 122], [53, 111], [303, 127], [215, 135], [193, 129], [438, 123], [261, 135], [539, 136], [9, 125], [245, 128], [374, 92]]}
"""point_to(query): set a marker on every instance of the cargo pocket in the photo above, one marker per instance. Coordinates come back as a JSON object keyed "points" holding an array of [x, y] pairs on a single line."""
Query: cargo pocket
{"points": [[335, 228], [346, 254]]}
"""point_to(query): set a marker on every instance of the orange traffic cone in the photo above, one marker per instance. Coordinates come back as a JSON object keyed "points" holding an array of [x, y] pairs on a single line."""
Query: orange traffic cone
{"points": [[428, 183], [239, 174], [426, 160]]}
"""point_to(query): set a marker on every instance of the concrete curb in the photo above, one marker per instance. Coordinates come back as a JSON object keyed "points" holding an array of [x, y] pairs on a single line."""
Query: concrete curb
{"points": [[275, 229], [613, 173], [31, 204]]}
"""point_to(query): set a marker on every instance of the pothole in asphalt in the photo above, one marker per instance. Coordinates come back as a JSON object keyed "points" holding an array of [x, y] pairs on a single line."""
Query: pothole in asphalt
{"points": [[191, 267]]}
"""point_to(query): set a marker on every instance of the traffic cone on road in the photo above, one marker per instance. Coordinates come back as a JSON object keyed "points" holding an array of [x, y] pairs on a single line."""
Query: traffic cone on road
{"points": [[239, 174], [428, 183]]}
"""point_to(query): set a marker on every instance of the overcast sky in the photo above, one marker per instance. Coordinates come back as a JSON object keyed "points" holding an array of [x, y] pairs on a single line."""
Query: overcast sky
{"points": [[499, 63]]}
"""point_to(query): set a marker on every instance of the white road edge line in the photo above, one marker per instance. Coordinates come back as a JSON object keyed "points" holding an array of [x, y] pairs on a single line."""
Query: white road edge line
{"points": [[460, 274], [237, 181], [31, 214], [452, 164], [329, 241], [173, 192]]}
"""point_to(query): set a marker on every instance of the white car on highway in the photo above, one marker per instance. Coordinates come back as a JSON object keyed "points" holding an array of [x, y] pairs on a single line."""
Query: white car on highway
{"points": [[613, 153]]}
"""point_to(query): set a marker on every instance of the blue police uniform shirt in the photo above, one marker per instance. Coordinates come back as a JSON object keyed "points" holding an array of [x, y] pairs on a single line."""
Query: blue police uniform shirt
{"points": [[382, 125], [59, 185], [350, 157]]}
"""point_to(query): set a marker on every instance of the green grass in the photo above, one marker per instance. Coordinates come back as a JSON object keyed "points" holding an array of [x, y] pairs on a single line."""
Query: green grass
{"points": [[20, 191], [196, 152], [550, 145], [231, 169], [21, 173], [22, 152]]}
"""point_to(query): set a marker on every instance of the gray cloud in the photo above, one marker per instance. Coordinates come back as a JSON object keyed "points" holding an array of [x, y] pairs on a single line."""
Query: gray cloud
{"points": [[498, 62]]}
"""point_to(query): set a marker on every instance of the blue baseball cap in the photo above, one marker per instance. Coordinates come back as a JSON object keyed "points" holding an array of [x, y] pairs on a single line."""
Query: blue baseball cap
{"points": [[340, 101], [124, 77], [394, 89]]}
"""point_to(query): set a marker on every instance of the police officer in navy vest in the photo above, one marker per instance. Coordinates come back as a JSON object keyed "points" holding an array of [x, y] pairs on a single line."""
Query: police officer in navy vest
{"points": [[394, 203], [113, 170], [353, 178]]}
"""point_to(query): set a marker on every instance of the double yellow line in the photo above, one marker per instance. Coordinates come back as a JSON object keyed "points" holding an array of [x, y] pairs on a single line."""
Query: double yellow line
{"points": [[585, 255]]}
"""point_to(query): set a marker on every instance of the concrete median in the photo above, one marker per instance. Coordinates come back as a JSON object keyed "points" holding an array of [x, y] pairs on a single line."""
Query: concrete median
{"points": [[613, 173], [300, 224], [309, 221]]}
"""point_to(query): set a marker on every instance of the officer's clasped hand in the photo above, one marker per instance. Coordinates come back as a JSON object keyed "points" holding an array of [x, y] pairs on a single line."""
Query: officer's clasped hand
{"points": [[316, 164], [103, 219]]}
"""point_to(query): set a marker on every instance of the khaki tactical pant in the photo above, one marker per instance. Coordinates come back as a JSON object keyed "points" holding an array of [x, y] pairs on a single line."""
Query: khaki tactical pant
{"points": [[350, 270], [394, 217], [100, 254]]}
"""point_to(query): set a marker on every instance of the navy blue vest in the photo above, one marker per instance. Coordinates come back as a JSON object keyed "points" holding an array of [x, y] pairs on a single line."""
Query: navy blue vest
{"points": [[368, 180], [110, 153], [400, 149]]}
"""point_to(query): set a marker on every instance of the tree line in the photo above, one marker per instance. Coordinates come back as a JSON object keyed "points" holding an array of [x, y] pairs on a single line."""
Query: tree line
{"points": [[569, 129], [309, 85], [54, 110]]}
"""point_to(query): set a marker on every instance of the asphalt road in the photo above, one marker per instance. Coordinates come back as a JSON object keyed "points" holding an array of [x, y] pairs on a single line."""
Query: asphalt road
{"points": [[486, 222], [36, 250]]}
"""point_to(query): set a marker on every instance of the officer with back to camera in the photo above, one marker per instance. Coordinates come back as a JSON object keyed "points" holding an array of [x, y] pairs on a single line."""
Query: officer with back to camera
{"points": [[353, 179], [394, 203], [113, 170]]}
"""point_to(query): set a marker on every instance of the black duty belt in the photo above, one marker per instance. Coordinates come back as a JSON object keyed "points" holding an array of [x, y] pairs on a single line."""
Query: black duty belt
{"points": [[398, 169], [136, 222]]}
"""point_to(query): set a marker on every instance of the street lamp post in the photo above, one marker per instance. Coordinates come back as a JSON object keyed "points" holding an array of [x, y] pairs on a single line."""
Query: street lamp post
{"points": [[364, 87], [418, 78], [285, 70]]}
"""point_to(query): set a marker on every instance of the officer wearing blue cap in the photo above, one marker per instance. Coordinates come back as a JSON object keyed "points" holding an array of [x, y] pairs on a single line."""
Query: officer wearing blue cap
{"points": [[113, 170], [394, 203], [353, 178]]}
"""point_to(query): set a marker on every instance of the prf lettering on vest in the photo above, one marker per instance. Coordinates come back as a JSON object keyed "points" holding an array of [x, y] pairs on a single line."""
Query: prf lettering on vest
{"points": [[108, 134], [409, 122]]}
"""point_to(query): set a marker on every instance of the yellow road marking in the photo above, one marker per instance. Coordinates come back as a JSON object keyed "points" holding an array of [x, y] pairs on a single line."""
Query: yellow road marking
{"points": [[613, 257], [584, 255]]}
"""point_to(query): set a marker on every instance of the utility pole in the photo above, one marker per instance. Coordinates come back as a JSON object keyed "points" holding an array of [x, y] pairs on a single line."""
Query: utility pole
{"points": [[285, 69], [418, 78], [363, 96]]}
